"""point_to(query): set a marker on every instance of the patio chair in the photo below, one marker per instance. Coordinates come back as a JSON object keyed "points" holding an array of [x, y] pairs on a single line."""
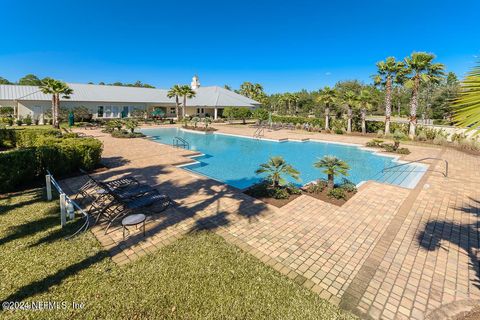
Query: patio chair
{"points": [[149, 202], [98, 194]]}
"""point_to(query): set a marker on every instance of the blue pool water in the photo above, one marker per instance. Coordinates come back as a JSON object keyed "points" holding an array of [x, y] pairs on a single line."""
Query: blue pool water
{"points": [[233, 160]]}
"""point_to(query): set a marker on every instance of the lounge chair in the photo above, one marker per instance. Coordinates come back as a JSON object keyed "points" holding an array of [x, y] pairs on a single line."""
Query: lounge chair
{"points": [[149, 202]]}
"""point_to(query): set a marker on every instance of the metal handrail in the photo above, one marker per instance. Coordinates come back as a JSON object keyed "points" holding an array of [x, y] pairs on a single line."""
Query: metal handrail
{"points": [[64, 200], [184, 143], [259, 132], [419, 160]]}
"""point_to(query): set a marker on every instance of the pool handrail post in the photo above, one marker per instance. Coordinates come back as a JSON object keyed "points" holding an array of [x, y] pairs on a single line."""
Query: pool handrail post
{"points": [[48, 181]]}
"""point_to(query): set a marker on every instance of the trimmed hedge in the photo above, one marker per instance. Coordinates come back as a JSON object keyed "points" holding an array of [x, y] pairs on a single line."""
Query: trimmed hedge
{"points": [[299, 120], [42, 150]]}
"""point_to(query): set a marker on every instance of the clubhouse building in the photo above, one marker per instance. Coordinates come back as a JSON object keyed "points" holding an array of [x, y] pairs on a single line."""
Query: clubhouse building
{"points": [[107, 102]]}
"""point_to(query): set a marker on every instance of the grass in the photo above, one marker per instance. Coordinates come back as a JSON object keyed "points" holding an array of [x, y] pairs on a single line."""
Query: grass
{"points": [[198, 276]]}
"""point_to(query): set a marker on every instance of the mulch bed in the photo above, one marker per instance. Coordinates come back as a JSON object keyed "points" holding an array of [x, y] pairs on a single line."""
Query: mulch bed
{"points": [[324, 197], [320, 196], [277, 202]]}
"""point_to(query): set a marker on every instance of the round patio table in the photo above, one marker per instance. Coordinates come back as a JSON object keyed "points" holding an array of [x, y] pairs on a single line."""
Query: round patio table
{"points": [[133, 220]]}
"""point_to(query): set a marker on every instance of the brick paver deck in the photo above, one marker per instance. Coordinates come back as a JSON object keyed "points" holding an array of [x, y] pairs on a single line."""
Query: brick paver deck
{"points": [[388, 253]]}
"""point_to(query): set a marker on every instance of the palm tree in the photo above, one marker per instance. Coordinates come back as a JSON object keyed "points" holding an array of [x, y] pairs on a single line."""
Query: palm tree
{"points": [[276, 168], [56, 88], [332, 166], [351, 100], [389, 72], [251, 90], [176, 92], [131, 124], [421, 68], [365, 103], [287, 99], [187, 93], [467, 113], [327, 97], [294, 98]]}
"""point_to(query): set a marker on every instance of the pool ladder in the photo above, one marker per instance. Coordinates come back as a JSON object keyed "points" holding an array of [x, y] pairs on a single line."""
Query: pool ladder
{"points": [[259, 132], [180, 143]]}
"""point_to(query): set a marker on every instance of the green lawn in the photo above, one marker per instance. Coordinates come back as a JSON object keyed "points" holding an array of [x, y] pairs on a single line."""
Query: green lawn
{"points": [[199, 276]]}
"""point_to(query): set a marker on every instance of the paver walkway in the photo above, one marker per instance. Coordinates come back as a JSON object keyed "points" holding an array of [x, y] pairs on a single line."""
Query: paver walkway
{"points": [[388, 253]]}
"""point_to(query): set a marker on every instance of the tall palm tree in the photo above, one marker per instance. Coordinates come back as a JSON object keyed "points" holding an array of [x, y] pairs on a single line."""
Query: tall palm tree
{"points": [[332, 166], [389, 72], [286, 99], [57, 89], [187, 93], [467, 113], [365, 103], [276, 168], [327, 97], [421, 69], [251, 90], [176, 91], [350, 98], [294, 98]]}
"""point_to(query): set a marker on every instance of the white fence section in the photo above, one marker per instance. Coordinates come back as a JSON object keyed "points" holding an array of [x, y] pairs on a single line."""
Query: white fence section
{"points": [[68, 207]]}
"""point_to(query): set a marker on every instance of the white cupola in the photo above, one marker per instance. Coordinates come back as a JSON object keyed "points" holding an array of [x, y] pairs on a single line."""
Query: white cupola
{"points": [[195, 84]]}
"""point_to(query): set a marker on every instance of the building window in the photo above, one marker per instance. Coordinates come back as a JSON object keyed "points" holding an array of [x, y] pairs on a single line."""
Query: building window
{"points": [[125, 112], [100, 112], [173, 110], [200, 110]]}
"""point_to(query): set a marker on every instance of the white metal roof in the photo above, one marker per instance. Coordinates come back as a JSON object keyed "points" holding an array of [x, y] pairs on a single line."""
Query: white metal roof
{"points": [[205, 96]]}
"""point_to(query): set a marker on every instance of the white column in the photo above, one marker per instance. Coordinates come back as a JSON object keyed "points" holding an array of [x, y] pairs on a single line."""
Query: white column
{"points": [[215, 113]]}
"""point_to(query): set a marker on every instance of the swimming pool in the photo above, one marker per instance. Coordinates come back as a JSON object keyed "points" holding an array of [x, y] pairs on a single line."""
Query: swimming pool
{"points": [[234, 159]]}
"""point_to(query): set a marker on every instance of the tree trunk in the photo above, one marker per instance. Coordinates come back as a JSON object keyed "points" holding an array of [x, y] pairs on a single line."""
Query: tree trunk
{"points": [[327, 118], [364, 126], [184, 107], [349, 120], [413, 107], [388, 104], [53, 111], [177, 109], [330, 183]]}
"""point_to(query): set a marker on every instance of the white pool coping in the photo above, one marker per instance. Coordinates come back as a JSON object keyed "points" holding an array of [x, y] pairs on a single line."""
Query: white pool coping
{"points": [[376, 151]]}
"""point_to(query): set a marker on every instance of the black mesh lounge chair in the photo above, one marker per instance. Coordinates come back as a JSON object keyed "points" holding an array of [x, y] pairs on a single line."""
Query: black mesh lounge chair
{"points": [[98, 194], [151, 201]]}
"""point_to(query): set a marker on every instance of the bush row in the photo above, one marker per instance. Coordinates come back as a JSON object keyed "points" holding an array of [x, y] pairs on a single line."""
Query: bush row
{"points": [[43, 151], [299, 120], [24, 138]]}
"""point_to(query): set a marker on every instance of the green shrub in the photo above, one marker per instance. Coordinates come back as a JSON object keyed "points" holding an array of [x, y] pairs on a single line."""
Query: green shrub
{"points": [[28, 120], [293, 189], [261, 114], [317, 187], [25, 138], [403, 151], [348, 186], [126, 134], [280, 193], [375, 143], [337, 193], [19, 122], [7, 138], [59, 155], [17, 167]]}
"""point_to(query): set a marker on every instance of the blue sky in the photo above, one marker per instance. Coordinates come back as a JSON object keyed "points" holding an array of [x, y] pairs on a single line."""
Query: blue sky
{"points": [[284, 45]]}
